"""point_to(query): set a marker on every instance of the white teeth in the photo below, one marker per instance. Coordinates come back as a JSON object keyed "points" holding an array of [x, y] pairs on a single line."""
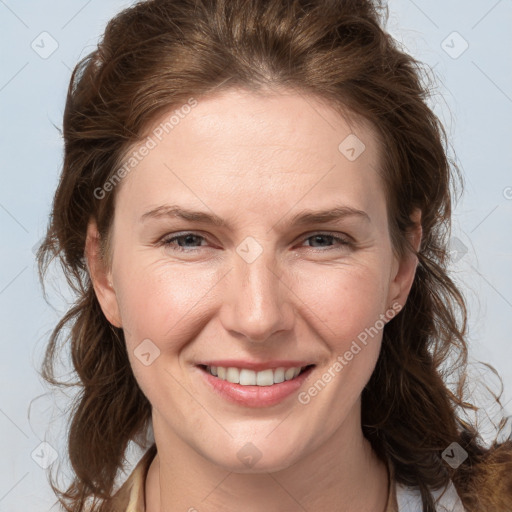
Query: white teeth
{"points": [[265, 378], [279, 375], [247, 377], [233, 375], [289, 374]]}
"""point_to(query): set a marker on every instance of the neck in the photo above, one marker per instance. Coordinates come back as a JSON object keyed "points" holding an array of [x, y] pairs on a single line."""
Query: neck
{"points": [[343, 474]]}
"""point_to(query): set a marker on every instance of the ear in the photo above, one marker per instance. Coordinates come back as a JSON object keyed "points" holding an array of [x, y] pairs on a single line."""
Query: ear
{"points": [[100, 276], [404, 270]]}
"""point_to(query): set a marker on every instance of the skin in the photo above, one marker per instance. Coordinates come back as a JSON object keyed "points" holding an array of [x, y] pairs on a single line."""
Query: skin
{"points": [[255, 161]]}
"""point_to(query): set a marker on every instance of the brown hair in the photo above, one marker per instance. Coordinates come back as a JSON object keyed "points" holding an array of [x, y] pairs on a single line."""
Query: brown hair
{"points": [[156, 55]]}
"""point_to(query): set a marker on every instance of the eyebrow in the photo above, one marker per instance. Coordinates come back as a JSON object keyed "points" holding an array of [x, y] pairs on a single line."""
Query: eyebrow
{"points": [[302, 218]]}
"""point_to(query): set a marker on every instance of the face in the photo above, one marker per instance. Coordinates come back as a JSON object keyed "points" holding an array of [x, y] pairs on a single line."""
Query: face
{"points": [[251, 282]]}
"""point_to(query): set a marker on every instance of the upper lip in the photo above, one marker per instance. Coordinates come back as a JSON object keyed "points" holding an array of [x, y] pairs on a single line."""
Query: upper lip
{"points": [[255, 365]]}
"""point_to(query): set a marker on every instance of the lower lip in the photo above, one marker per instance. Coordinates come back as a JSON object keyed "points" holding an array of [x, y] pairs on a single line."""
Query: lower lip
{"points": [[255, 396]]}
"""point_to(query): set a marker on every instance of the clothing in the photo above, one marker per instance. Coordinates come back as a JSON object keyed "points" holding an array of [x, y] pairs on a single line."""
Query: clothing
{"points": [[130, 496]]}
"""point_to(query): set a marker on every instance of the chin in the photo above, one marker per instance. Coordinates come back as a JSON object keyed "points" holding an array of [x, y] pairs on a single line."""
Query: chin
{"points": [[263, 465], [256, 457]]}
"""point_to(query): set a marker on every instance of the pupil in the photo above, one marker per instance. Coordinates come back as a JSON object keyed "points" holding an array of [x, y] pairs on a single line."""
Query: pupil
{"points": [[188, 238], [320, 238]]}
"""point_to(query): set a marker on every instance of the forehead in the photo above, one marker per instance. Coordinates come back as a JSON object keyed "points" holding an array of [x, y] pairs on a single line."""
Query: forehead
{"points": [[248, 120], [250, 145]]}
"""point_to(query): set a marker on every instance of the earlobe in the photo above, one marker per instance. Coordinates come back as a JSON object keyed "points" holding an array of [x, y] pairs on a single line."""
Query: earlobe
{"points": [[406, 268], [100, 276]]}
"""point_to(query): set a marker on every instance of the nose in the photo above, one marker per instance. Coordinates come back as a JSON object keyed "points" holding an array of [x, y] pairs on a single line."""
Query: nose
{"points": [[257, 303]]}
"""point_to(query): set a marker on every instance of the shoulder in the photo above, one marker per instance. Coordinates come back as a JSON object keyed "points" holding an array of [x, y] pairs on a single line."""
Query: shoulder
{"points": [[447, 499]]}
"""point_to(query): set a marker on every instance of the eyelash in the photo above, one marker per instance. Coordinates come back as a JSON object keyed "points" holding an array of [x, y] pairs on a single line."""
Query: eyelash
{"points": [[168, 242]]}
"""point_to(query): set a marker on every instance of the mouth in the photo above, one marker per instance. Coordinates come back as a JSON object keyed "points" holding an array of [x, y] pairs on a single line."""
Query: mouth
{"points": [[251, 388], [248, 377]]}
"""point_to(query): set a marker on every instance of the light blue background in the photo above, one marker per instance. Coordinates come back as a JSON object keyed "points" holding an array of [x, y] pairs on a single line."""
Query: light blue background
{"points": [[474, 100]]}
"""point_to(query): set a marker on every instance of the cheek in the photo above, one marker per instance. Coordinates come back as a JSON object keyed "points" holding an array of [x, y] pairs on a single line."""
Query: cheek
{"points": [[348, 304], [344, 300], [157, 300], [159, 306]]}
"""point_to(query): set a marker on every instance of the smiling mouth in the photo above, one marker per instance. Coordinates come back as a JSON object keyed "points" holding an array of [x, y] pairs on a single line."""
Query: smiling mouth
{"points": [[246, 377]]}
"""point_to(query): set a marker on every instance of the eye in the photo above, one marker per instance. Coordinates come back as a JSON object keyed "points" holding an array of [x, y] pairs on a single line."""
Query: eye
{"points": [[191, 242], [182, 241], [318, 237]]}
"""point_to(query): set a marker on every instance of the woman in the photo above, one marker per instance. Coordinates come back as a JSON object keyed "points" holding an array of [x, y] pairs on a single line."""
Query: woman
{"points": [[211, 148]]}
